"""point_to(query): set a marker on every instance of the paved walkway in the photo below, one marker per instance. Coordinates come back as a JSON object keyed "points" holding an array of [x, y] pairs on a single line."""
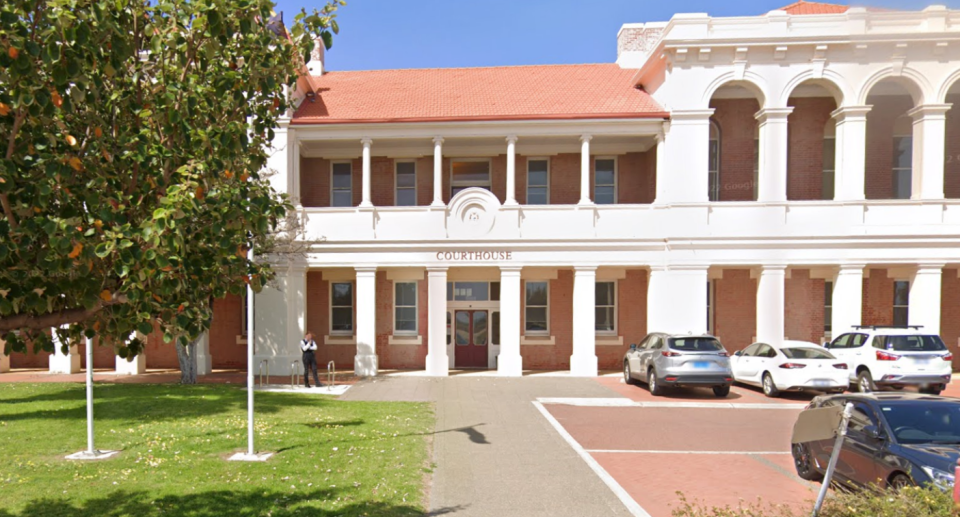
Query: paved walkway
{"points": [[495, 454]]}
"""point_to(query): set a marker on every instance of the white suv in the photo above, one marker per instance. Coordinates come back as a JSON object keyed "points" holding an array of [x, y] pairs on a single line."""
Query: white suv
{"points": [[894, 357]]}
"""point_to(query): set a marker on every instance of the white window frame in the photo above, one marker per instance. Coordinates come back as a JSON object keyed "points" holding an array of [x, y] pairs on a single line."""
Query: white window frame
{"points": [[831, 170], [827, 304], [416, 308], [714, 194], [396, 186], [894, 170], [906, 307], [489, 163], [333, 163], [537, 159], [711, 301], [616, 178], [616, 307], [353, 309], [525, 306]]}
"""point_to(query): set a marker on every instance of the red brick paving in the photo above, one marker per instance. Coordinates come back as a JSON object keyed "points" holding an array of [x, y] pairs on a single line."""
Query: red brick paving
{"points": [[738, 394]]}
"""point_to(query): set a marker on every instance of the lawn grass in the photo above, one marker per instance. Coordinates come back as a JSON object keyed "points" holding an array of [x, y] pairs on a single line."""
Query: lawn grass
{"points": [[333, 457]]}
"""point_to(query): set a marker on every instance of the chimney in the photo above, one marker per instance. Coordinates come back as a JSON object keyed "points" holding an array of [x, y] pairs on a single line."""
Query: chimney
{"points": [[315, 66]]}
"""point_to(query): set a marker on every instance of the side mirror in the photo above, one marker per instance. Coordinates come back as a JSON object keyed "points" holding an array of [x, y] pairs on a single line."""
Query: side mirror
{"points": [[872, 432], [738, 353], [633, 346]]}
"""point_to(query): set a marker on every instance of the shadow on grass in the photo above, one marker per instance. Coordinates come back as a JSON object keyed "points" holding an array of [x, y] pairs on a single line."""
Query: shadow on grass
{"points": [[150, 402], [327, 425], [235, 503]]}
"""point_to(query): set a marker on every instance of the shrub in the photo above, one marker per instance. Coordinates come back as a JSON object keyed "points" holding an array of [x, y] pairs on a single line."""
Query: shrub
{"points": [[908, 502]]}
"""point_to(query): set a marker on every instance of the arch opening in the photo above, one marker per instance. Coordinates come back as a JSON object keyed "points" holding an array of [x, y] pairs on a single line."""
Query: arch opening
{"points": [[890, 140], [811, 147], [735, 142]]}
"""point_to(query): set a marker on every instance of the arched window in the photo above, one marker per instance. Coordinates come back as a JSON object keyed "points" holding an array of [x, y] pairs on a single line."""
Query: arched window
{"points": [[902, 157], [829, 159], [714, 163], [756, 162]]}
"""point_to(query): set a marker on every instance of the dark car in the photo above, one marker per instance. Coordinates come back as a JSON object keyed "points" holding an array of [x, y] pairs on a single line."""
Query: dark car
{"points": [[893, 440]]}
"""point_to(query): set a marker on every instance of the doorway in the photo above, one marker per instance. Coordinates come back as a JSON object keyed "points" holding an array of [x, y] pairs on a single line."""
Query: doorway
{"points": [[471, 338]]}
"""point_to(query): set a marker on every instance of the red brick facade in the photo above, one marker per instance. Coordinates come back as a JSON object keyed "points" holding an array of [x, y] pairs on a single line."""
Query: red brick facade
{"points": [[951, 165], [805, 129], [738, 133], [877, 298], [803, 306], [950, 313], [735, 309], [880, 128]]}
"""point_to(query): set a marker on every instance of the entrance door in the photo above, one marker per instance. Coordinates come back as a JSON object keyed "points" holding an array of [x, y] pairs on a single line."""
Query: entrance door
{"points": [[471, 337]]}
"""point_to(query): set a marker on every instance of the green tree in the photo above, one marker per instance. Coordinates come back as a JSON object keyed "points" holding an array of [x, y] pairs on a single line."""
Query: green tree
{"points": [[133, 138]]}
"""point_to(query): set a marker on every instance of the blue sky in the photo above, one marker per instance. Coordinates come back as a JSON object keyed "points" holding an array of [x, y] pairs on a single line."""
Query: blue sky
{"points": [[378, 34]]}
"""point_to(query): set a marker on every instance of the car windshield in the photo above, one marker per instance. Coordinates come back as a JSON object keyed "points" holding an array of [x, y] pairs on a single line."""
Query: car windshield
{"points": [[696, 344], [921, 422], [914, 343], [806, 353]]}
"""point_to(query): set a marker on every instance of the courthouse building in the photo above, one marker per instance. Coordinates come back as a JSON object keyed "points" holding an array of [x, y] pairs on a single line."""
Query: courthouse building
{"points": [[784, 175]]}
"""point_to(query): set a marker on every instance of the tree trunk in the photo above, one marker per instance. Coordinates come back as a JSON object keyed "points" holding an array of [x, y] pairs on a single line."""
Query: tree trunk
{"points": [[187, 357]]}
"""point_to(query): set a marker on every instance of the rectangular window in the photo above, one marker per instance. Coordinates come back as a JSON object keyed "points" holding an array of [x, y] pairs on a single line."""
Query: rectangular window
{"points": [[495, 328], [902, 166], [467, 174], [713, 163], [606, 307], [901, 302], [829, 167], [710, 307], [341, 308], [605, 181], [538, 174], [405, 308], [535, 311], [471, 291], [406, 184], [342, 185], [828, 307]]}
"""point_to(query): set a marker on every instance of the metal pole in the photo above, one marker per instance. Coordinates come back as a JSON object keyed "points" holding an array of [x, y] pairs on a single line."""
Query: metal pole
{"points": [[834, 456], [90, 449], [250, 449]]}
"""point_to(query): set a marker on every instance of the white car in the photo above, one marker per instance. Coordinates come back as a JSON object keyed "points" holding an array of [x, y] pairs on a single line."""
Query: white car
{"points": [[881, 356], [791, 366]]}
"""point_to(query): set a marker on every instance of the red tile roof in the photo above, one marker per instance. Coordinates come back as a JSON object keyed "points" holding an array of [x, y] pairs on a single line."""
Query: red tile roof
{"points": [[803, 7], [493, 93]]}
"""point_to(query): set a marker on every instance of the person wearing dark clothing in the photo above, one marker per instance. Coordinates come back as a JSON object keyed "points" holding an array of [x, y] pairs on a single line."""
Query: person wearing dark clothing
{"points": [[309, 347]]}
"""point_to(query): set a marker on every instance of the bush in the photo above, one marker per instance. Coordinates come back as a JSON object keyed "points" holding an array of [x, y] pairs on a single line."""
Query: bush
{"points": [[908, 502]]}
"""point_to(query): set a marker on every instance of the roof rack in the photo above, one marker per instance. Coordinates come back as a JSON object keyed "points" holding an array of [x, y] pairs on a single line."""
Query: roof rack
{"points": [[875, 327]]}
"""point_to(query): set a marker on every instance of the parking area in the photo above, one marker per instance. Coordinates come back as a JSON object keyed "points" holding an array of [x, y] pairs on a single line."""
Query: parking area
{"points": [[716, 451]]}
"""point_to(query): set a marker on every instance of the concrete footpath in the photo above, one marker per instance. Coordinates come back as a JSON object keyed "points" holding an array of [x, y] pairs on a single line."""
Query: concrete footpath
{"points": [[494, 452]]}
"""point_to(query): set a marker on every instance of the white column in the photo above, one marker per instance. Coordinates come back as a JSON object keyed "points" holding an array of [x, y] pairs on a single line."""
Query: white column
{"points": [[437, 361], [925, 288], [509, 361], [677, 286], [585, 198], [851, 153], [4, 358], [365, 362], [64, 363], [683, 160], [296, 298], [511, 172], [278, 158], [204, 360], [583, 362], [847, 300], [136, 365], [929, 139], [773, 155], [293, 167], [770, 304], [438, 173], [365, 201]]}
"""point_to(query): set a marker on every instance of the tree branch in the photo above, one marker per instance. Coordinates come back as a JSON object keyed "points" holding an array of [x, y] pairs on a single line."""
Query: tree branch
{"points": [[55, 319]]}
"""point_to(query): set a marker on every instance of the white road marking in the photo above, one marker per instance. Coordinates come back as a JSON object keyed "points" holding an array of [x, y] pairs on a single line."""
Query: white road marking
{"points": [[632, 506], [625, 402], [651, 451]]}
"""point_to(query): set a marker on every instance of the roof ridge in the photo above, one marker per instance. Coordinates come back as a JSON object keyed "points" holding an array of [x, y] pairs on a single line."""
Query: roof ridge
{"points": [[422, 69]]}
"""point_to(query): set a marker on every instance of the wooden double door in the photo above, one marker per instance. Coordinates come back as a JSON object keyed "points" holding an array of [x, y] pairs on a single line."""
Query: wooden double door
{"points": [[471, 335]]}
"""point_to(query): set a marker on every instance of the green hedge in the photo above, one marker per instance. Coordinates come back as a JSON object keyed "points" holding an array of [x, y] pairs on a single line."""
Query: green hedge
{"points": [[908, 502]]}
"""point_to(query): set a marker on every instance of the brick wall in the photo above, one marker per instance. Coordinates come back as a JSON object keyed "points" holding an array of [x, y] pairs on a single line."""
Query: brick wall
{"points": [[227, 324], [318, 322], [30, 359], [160, 354], [382, 181], [951, 166], [314, 182], [631, 318], [877, 298], [400, 356], [556, 357], [104, 355], [735, 312], [879, 160], [805, 151], [565, 179], [634, 173], [737, 146], [950, 313], [803, 306]]}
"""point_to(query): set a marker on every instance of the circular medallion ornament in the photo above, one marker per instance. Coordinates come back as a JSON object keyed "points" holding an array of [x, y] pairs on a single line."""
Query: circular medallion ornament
{"points": [[472, 213]]}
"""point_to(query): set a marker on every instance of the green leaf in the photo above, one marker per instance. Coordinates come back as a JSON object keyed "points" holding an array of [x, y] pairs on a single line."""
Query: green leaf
{"points": [[145, 328], [327, 39]]}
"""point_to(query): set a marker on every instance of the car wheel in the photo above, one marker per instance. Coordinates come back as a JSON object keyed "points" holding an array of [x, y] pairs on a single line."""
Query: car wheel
{"points": [[865, 382], [803, 461], [627, 376], [899, 481], [653, 385], [721, 391], [769, 388]]}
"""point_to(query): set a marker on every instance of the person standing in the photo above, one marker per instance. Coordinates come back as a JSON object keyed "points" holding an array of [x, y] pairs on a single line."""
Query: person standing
{"points": [[309, 347]]}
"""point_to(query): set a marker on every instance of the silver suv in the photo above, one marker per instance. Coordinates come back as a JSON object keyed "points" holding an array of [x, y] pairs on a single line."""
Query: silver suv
{"points": [[663, 360]]}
